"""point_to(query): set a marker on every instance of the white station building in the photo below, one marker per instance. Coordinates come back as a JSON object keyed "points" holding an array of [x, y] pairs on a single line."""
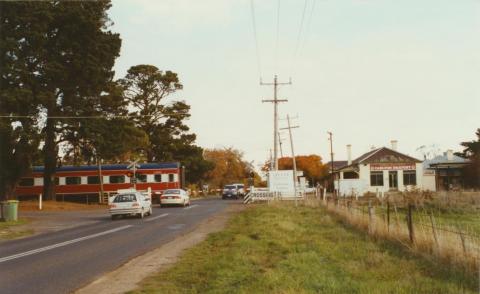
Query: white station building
{"points": [[379, 170]]}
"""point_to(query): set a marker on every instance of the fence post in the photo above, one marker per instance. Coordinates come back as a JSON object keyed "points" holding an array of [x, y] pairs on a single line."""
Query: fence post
{"points": [[411, 233], [371, 218], [388, 216], [462, 238], [434, 231]]}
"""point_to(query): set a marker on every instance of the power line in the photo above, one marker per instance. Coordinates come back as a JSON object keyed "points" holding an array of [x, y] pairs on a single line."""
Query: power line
{"points": [[299, 36], [257, 51], [90, 117], [278, 35]]}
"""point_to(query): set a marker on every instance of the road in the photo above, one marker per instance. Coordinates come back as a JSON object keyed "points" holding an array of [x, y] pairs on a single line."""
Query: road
{"points": [[63, 261]]}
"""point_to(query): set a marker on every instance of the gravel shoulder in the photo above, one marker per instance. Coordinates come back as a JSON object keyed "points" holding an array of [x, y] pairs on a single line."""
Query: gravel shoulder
{"points": [[128, 276]]}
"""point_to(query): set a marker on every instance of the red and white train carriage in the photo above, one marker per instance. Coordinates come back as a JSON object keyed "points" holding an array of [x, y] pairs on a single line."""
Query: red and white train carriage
{"points": [[74, 183]]}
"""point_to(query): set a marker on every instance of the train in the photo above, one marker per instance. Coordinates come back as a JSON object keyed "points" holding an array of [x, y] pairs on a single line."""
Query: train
{"points": [[82, 183]]}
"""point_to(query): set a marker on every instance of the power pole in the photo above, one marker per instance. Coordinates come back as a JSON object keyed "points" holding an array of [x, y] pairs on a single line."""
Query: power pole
{"points": [[289, 128], [280, 144], [275, 102], [331, 159]]}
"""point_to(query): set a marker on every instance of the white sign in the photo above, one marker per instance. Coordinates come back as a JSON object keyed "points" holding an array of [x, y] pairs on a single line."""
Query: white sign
{"points": [[281, 181]]}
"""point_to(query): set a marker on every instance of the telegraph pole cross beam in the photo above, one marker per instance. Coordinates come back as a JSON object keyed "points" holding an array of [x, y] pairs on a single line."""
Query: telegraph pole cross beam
{"points": [[275, 102]]}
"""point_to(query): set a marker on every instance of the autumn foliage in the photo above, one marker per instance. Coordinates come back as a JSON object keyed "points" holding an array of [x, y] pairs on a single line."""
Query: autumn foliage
{"points": [[230, 167], [311, 165]]}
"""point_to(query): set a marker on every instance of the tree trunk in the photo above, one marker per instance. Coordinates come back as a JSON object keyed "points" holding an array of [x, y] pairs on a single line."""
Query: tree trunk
{"points": [[50, 159]]}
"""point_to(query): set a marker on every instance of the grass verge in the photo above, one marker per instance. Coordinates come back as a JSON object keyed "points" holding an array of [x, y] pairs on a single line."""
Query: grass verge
{"points": [[283, 249], [12, 230]]}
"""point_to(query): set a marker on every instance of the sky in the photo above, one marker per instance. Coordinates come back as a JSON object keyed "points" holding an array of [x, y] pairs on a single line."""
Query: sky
{"points": [[369, 71]]}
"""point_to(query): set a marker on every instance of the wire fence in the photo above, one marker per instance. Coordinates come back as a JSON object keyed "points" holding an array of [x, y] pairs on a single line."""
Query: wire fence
{"points": [[414, 226]]}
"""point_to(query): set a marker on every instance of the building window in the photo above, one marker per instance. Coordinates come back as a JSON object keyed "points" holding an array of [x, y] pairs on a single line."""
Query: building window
{"points": [[93, 180], [158, 178], [171, 177], [350, 175], [409, 178], [376, 178], [73, 180], [25, 182], [141, 178], [117, 179]]}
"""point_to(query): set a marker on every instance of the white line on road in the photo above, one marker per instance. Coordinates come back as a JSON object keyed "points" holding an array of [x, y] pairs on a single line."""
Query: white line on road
{"points": [[191, 206], [34, 251], [157, 217]]}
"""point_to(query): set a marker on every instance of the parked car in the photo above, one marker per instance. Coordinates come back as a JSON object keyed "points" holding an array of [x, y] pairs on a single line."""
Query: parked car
{"points": [[233, 191], [130, 203], [175, 197]]}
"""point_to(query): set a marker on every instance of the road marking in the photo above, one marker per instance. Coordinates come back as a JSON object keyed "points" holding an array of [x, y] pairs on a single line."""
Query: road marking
{"points": [[191, 206], [157, 217], [50, 247]]}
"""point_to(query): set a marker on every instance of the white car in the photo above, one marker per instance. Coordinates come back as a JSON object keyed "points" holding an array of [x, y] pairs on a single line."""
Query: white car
{"points": [[130, 203], [175, 197]]}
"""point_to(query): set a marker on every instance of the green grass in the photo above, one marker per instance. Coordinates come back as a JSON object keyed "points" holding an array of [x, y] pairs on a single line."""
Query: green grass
{"points": [[283, 249], [10, 230]]}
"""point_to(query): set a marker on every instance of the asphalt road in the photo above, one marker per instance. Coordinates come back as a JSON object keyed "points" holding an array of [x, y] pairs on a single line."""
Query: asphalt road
{"points": [[63, 261]]}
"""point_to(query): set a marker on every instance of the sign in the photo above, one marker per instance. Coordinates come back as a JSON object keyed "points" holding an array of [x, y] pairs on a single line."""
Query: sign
{"points": [[281, 181], [392, 166]]}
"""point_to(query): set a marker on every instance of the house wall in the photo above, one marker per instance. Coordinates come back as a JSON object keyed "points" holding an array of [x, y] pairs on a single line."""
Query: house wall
{"points": [[362, 185]]}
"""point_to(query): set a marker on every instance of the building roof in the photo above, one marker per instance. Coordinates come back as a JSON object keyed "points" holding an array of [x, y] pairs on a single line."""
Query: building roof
{"points": [[111, 167], [443, 160], [337, 164], [379, 155]]}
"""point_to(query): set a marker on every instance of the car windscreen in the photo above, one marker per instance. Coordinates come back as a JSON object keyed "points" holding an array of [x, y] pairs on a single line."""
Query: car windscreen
{"points": [[172, 192], [229, 187], [125, 198]]}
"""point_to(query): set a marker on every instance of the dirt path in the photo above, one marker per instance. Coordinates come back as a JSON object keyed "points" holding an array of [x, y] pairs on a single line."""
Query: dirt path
{"points": [[128, 276]]}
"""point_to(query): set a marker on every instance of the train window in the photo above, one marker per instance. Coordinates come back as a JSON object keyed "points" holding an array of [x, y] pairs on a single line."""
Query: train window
{"points": [[92, 180], [25, 182], [158, 178], [141, 178], [117, 179], [73, 180], [171, 177]]}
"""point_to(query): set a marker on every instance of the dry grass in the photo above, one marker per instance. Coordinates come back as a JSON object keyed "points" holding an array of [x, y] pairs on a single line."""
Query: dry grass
{"points": [[448, 244], [57, 206]]}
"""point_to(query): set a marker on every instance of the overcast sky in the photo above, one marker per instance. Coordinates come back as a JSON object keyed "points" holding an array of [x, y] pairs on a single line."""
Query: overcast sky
{"points": [[368, 70]]}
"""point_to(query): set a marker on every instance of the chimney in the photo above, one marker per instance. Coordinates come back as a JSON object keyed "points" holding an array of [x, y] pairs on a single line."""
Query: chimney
{"points": [[349, 154], [449, 154], [394, 145]]}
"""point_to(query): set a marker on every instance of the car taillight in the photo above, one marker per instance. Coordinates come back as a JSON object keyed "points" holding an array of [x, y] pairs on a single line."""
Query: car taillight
{"points": [[163, 197], [112, 206], [135, 204], [177, 197]]}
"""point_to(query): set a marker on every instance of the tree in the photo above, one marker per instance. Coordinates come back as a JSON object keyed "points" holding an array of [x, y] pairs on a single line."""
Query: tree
{"points": [[311, 165], [74, 56], [146, 88], [19, 92], [472, 152], [230, 167]]}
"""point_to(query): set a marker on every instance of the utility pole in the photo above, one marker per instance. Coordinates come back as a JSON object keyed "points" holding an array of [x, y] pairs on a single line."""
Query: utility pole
{"points": [[275, 102], [331, 159], [289, 128], [280, 144]]}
